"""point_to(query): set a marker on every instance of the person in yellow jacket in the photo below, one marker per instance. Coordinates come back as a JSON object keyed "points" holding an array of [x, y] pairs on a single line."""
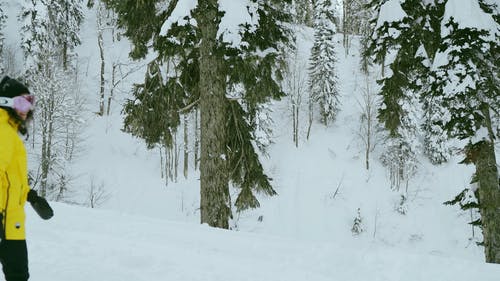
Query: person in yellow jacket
{"points": [[16, 109]]}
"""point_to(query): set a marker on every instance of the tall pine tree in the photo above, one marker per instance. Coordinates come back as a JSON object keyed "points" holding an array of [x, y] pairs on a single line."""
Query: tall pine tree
{"points": [[466, 82], [203, 63]]}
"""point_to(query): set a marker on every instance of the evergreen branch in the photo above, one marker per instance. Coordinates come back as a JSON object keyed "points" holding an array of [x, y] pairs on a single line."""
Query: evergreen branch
{"points": [[477, 222], [457, 198]]}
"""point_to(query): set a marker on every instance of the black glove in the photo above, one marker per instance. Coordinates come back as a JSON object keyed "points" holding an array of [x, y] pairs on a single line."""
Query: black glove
{"points": [[41, 206]]}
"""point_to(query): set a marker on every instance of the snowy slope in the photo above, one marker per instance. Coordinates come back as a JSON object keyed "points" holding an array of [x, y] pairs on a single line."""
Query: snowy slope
{"points": [[80, 244], [148, 231]]}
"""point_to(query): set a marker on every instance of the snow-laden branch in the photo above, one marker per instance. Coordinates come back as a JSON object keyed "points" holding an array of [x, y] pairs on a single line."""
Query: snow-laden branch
{"points": [[391, 11], [181, 11], [237, 13], [468, 14]]}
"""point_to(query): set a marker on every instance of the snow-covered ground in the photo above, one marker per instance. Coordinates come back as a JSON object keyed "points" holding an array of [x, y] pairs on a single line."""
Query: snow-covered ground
{"points": [[81, 244], [149, 231]]}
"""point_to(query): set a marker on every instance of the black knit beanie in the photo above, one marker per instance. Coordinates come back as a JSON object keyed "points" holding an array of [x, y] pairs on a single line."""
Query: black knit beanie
{"points": [[11, 88]]}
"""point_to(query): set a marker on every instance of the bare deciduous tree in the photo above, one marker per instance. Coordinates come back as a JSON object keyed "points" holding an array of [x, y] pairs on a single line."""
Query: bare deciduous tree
{"points": [[57, 126], [97, 194], [10, 62], [296, 87], [355, 16], [100, 43], [368, 121]]}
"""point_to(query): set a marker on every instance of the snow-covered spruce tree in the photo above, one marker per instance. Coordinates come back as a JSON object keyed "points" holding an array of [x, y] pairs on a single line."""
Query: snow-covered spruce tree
{"points": [[400, 155], [402, 206], [404, 35], [66, 17], [322, 65], [418, 29], [50, 26], [367, 12], [357, 225], [263, 123], [203, 56], [303, 11], [370, 55], [403, 28], [35, 39], [393, 35], [466, 82], [436, 144]]}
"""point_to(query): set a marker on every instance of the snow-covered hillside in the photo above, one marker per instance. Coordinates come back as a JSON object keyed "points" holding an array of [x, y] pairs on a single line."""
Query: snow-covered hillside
{"points": [[147, 230]]}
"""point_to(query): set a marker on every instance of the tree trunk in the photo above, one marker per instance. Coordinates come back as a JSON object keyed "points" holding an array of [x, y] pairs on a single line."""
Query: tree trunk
{"points": [[112, 90], [383, 66], [196, 139], [44, 163], [65, 43], [162, 169], [345, 26], [186, 147], [369, 105], [47, 134], [295, 125], [311, 116], [175, 158], [489, 194], [367, 151], [100, 42], [170, 163], [214, 188]]}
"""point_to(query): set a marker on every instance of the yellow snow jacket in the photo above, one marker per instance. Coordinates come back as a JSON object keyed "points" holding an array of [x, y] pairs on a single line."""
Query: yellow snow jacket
{"points": [[14, 186]]}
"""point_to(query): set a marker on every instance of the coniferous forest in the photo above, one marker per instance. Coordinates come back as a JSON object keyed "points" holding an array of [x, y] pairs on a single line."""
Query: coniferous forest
{"points": [[210, 71]]}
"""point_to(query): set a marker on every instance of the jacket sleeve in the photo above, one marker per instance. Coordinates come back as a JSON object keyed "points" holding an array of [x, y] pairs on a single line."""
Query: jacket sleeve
{"points": [[6, 155], [6, 149], [25, 195]]}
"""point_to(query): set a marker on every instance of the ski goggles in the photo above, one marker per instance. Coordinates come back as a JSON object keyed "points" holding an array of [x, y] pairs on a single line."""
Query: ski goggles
{"points": [[23, 104]]}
